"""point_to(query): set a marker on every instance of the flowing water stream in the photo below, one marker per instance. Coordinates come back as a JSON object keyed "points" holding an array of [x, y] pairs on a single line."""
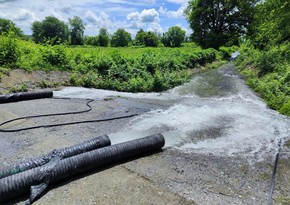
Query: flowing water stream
{"points": [[215, 113]]}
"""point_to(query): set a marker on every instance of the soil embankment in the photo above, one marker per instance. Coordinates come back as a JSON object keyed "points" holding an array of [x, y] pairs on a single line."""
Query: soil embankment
{"points": [[32, 80]]}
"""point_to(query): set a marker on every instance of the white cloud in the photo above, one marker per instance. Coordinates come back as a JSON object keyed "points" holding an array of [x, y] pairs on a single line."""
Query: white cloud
{"points": [[101, 21], [173, 14], [134, 16], [147, 19], [146, 16], [24, 15], [178, 1], [149, 16], [150, 1]]}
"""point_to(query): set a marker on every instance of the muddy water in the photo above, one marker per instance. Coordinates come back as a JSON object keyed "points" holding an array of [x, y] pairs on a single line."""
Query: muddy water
{"points": [[214, 113]]}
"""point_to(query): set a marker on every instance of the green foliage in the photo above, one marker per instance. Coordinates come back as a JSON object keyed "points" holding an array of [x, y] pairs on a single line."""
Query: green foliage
{"points": [[7, 26], [174, 37], [268, 72], [226, 52], [18, 88], [271, 25], [151, 40], [54, 57], [285, 108], [148, 39], [77, 28], [92, 40], [123, 69], [50, 29], [103, 38], [140, 38], [152, 70], [47, 84], [9, 52], [121, 38], [218, 23]]}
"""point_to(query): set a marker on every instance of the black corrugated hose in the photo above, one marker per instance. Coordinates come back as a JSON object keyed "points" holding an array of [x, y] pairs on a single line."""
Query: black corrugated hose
{"points": [[35, 175], [15, 97], [37, 179], [86, 146]]}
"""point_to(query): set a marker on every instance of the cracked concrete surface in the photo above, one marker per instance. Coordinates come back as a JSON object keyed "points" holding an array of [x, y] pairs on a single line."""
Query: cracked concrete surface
{"points": [[169, 177]]}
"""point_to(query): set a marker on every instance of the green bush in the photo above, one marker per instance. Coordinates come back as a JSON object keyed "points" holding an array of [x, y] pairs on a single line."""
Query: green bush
{"points": [[90, 80], [18, 88], [9, 52], [268, 72], [226, 52], [285, 109], [123, 69], [54, 57]]}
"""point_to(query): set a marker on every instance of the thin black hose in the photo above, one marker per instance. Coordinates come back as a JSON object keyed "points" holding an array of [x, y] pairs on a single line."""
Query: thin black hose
{"points": [[272, 186], [36, 180], [62, 124]]}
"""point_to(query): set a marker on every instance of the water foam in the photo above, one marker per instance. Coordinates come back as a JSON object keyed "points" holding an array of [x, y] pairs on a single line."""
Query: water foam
{"points": [[228, 119]]}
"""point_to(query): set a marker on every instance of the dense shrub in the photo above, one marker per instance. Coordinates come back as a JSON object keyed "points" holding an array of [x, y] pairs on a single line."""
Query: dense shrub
{"points": [[54, 56], [9, 51], [122, 69], [268, 72], [226, 52]]}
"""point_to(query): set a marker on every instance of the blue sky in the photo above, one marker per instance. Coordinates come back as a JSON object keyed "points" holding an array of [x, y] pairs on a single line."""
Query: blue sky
{"points": [[150, 15]]}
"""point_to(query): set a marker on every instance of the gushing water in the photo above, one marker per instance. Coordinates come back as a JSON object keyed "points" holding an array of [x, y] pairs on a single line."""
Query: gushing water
{"points": [[214, 113]]}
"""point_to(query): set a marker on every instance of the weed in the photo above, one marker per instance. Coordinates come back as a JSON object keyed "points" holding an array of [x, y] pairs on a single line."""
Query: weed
{"points": [[18, 88]]}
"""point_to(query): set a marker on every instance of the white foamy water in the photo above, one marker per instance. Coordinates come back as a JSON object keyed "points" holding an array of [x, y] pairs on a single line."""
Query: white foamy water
{"points": [[214, 113]]}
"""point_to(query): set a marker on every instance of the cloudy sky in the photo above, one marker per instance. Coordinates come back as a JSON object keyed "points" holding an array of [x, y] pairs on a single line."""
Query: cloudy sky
{"points": [[153, 15]]}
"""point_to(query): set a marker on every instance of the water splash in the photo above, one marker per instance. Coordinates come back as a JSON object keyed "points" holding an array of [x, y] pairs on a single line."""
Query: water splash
{"points": [[214, 113]]}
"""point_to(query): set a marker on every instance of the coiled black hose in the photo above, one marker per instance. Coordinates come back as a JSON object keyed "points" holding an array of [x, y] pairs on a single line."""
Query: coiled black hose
{"points": [[86, 146], [20, 184], [15, 97]]}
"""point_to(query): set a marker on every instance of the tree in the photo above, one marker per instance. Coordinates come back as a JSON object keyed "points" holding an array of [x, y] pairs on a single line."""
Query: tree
{"points": [[151, 40], [121, 38], [7, 25], [148, 39], [219, 22], [92, 40], [103, 38], [77, 28], [174, 37], [51, 29], [271, 25], [140, 38]]}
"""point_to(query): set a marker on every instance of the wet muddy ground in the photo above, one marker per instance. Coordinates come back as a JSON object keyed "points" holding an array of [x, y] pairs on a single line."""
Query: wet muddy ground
{"points": [[170, 177]]}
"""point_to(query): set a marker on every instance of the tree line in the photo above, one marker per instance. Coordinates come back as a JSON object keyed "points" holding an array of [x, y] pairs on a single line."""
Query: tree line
{"points": [[54, 31], [214, 23]]}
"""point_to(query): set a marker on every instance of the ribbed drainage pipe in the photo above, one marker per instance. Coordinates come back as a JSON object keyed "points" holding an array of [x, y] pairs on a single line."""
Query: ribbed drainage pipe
{"points": [[15, 97], [19, 184], [86, 146]]}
